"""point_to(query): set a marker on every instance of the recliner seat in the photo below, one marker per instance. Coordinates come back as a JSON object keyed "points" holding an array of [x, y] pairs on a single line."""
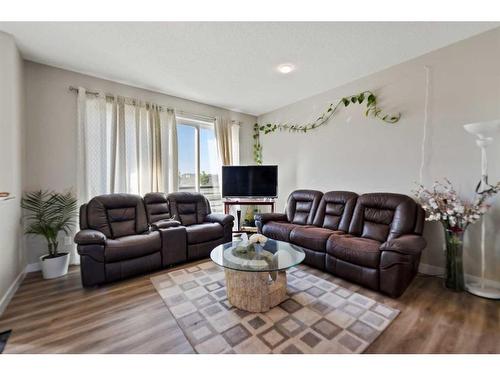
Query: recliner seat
{"points": [[300, 210], [332, 217], [132, 246], [374, 240], [205, 230], [123, 235], [115, 241]]}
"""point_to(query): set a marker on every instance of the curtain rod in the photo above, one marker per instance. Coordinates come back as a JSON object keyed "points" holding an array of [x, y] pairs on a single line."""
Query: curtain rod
{"points": [[111, 96]]}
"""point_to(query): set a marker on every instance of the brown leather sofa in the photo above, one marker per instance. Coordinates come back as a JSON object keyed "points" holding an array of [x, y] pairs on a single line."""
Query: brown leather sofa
{"points": [[202, 229], [123, 235], [374, 239]]}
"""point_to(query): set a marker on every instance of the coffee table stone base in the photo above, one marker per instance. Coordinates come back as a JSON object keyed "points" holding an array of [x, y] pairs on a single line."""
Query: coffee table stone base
{"points": [[255, 291]]}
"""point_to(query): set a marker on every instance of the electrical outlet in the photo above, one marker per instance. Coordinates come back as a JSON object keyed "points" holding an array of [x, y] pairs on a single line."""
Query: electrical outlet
{"points": [[68, 240]]}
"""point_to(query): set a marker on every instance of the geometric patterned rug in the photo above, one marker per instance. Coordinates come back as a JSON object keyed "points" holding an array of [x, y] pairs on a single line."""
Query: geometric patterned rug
{"points": [[318, 317]]}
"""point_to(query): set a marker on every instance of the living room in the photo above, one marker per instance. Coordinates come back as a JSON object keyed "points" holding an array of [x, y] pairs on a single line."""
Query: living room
{"points": [[264, 187]]}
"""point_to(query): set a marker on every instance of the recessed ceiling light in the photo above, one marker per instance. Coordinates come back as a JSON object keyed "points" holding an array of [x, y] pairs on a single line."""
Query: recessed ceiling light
{"points": [[286, 68]]}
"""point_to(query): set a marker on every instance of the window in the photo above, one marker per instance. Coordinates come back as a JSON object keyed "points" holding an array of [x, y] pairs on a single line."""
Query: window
{"points": [[187, 139], [198, 160]]}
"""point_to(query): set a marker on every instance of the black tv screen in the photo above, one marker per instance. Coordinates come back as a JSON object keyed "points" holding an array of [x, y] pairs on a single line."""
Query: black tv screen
{"points": [[250, 181]]}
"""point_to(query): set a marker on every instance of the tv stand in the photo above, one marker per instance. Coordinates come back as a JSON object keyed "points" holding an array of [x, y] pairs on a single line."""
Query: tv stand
{"points": [[228, 202]]}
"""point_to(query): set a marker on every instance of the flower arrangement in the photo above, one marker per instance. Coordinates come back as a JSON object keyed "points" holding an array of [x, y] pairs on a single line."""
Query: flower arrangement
{"points": [[442, 203], [257, 238]]}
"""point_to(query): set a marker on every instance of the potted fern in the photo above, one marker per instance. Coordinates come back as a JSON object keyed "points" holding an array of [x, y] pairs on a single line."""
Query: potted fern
{"points": [[47, 214]]}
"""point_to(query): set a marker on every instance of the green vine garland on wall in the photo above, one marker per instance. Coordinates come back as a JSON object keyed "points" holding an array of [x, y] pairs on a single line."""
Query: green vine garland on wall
{"points": [[367, 97]]}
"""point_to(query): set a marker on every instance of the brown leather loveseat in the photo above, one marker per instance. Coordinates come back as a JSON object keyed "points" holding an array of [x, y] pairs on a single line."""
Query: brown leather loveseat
{"points": [[124, 235], [374, 239]]}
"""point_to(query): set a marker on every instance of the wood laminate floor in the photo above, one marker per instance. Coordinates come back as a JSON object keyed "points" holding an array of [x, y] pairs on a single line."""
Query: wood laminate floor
{"points": [[59, 316]]}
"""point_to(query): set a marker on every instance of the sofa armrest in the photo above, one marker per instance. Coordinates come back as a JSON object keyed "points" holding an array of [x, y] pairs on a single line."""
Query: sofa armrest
{"points": [[93, 251], [222, 219], [410, 244], [265, 217], [163, 224], [90, 237]]}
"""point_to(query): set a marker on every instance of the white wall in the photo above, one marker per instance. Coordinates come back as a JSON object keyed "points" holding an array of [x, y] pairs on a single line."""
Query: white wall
{"points": [[51, 126], [365, 155], [12, 260]]}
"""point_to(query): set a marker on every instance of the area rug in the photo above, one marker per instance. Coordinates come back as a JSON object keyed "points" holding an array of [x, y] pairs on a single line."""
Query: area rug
{"points": [[318, 317]]}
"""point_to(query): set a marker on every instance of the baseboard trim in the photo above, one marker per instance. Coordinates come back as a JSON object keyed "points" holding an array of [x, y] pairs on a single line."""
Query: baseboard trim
{"points": [[33, 267], [429, 269], [4, 302]]}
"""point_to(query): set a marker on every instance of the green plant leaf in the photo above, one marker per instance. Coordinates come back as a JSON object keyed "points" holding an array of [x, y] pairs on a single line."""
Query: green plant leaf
{"points": [[48, 213], [371, 109], [371, 99]]}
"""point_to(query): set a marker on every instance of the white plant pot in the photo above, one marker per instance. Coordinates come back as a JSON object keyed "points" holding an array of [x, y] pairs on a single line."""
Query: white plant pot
{"points": [[54, 267]]}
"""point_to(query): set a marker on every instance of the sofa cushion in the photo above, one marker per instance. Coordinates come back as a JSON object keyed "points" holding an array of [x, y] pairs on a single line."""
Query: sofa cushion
{"points": [[157, 207], [356, 250], [117, 215], [188, 208], [335, 210], [383, 216], [132, 246], [311, 237], [302, 205], [205, 232], [278, 230]]}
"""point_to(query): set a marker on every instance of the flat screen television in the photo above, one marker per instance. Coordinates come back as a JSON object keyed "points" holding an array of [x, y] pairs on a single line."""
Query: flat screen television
{"points": [[250, 181]]}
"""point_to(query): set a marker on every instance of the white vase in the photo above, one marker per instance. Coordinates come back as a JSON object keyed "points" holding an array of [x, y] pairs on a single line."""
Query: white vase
{"points": [[54, 267]]}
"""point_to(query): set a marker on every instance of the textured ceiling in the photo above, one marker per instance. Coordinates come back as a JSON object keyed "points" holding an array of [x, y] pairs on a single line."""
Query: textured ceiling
{"points": [[233, 65]]}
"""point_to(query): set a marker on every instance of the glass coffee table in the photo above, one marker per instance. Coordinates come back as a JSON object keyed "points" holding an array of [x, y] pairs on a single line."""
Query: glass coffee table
{"points": [[256, 274]]}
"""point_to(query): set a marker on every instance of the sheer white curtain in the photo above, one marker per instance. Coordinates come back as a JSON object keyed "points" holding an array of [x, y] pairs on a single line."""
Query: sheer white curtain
{"points": [[124, 146], [93, 160], [170, 154], [227, 134], [224, 140], [235, 142]]}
